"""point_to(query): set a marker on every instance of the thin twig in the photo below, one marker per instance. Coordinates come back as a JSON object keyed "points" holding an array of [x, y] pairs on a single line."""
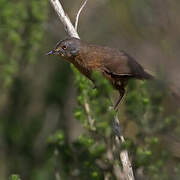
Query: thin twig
{"points": [[79, 12]]}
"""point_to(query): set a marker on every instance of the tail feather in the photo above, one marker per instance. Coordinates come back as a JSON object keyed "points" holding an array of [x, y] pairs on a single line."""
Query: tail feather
{"points": [[147, 75]]}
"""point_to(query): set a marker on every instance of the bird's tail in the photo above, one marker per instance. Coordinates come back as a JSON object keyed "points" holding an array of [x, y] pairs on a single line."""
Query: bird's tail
{"points": [[148, 75]]}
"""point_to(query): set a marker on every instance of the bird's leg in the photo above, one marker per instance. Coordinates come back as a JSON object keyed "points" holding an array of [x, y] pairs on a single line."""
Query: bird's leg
{"points": [[121, 94]]}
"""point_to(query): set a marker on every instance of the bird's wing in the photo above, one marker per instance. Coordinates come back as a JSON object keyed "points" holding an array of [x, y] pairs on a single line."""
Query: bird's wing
{"points": [[116, 75], [118, 63]]}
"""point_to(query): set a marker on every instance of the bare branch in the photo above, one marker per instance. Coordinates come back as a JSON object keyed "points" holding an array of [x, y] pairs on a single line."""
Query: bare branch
{"points": [[79, 12], [64, 19], [90, 119], [126, 163]]}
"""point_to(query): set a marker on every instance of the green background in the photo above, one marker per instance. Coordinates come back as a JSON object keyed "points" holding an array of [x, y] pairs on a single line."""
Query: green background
{"points": [[44, 129]]}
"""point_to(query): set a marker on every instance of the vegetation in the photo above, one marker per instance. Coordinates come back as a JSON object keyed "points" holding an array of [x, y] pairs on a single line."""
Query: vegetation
{"points": [[53, 124]]}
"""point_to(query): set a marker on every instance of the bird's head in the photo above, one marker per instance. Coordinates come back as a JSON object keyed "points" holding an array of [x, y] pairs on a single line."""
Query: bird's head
{"points": [[67, 48]]}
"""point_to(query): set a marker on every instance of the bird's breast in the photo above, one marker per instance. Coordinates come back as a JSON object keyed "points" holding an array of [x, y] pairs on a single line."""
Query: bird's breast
{"points": [[88, 62]]}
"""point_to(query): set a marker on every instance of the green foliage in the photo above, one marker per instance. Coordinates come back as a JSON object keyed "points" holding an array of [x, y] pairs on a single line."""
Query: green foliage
{"points": [[98, 100], [82, 155], [19, 41], [14, 177], [143, 106], [147, 110], [79, 156], [35, 122]]}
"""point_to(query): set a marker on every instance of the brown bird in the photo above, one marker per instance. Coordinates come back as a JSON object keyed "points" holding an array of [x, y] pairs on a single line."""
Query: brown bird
{"points": [[117, 66]]}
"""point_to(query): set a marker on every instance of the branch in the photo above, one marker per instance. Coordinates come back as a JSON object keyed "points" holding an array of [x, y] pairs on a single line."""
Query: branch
{"points": [[127, 169], [126, 163], [79, 12], [64, 19], [90, 119]]}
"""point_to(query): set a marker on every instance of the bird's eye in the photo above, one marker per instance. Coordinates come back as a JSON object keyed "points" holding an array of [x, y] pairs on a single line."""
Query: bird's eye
{"points": [[64, 47]]}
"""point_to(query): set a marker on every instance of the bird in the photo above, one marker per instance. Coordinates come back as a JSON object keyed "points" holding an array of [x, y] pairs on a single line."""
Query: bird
{"points": [[115, 65]]}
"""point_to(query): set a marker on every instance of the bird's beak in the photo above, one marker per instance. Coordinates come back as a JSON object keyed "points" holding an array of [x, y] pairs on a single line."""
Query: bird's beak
{"points": [[51, 52]]}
